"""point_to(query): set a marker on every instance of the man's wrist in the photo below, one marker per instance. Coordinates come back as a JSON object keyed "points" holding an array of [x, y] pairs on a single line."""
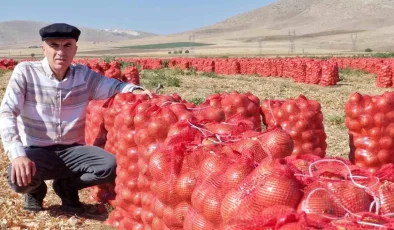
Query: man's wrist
{"points": [[17, 151]]}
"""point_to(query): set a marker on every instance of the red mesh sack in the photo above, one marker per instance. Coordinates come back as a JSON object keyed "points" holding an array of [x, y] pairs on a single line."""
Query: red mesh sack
{"points": [[363, 221], [386, 196], [302, 119], [271, 183], [113, 73], [270, 218], [386, 173], [232, 108], [311, 222], [104, 65], [313, 71], [95, 132], [194, 220], [335, 198], [330, 75], [300, 71], [218, 174], [265, 68], [384, 75], [371, 129], [279, 67], [130, 74], [272, 143]]}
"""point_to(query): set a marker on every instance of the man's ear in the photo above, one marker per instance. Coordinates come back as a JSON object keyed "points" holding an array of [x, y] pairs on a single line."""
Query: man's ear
{"points": [[43, 48]]}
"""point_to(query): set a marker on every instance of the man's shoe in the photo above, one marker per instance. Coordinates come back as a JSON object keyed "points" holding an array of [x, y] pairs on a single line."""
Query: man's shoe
{"points": [[33, 201], [70, 198], [73, 208]]}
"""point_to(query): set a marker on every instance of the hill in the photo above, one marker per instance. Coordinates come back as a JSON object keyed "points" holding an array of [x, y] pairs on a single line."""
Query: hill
{"points": [[24, 33]]}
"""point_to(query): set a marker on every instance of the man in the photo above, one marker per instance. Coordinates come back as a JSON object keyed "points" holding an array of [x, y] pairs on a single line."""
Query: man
{"points": [[42, 120]]}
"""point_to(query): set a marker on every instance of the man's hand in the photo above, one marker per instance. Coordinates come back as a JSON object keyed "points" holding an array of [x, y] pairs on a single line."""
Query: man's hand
{"points": [[23, 169], [141, 91]]}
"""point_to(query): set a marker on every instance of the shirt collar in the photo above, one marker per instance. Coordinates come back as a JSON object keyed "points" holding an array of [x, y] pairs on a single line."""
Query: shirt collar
{"points": [[48, 71], [47, 68]]}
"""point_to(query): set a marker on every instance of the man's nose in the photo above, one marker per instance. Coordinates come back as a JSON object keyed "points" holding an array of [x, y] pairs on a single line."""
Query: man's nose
{"points": [[60, 51]]}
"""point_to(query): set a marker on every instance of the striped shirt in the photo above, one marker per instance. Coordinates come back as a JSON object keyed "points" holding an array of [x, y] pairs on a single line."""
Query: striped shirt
{"points": [[39, 110]]}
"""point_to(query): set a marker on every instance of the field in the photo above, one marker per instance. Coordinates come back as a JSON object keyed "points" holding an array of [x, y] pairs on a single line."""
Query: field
{"points": [[195, 88], [167, 45]]}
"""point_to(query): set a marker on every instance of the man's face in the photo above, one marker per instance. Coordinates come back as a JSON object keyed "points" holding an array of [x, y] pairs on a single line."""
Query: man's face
{"points": [[59, 52]]}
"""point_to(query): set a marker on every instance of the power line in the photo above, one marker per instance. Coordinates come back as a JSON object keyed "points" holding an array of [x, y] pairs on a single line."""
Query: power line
{"points": [[292, 37], [192, 38], [353, 36], [260, 46]]}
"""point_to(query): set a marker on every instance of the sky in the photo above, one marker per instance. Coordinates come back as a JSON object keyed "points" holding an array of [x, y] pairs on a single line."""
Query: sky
{"points": [[154, 16]]}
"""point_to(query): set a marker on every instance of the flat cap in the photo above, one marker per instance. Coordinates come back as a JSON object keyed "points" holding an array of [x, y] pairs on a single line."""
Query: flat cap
{"points": [[60, 31]]}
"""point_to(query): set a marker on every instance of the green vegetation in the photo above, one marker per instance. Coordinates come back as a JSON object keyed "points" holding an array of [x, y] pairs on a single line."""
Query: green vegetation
{"points": [[384, 55], [108, 59], [375, 55], [124, 64], [191, 71], [210, 75], [197, 100], [165, 77], [167, 45], [173, 81], [176, 71], [164, 63], [368, 50], [139, 67], [348, 71], [336, 120], [2, 72]]}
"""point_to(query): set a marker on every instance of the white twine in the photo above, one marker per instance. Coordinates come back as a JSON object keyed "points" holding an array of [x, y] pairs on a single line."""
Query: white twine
{"points": [[270, 110], [169, 102], [376, 199], [371, 224], [363, 223], [305, 204], [200, 108], [199, 129]]}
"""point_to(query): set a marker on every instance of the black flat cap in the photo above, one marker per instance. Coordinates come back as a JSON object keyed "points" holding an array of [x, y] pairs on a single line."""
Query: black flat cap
{"points": [[60, 31]]}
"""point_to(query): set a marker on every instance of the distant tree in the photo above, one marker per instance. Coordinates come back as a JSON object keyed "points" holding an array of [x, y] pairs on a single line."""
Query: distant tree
{"points": [[32, 55], [186, 51], [169, 52], [180, 51], [175, 52], [369, 50]]}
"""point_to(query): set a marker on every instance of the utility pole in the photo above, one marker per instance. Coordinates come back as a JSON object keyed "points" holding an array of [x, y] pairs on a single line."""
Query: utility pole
{"points": [[260, 46], [292, 36], [353, 36], [192, 38]]}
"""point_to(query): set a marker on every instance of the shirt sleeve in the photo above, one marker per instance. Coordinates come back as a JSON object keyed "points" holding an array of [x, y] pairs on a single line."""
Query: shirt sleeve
{"points": [[11, 105], [101, 87]]}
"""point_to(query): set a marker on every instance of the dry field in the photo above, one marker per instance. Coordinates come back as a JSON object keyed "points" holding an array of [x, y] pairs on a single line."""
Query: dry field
{"points": [[193, 87]]}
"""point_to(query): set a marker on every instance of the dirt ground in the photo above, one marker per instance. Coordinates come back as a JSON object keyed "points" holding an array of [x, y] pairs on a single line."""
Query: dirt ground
{"points": [[193, 87]]}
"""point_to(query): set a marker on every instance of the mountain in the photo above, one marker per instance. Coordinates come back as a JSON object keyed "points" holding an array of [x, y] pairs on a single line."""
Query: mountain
{"points": [[319, 26], [20, 33], [123, 32], [311, 16]]}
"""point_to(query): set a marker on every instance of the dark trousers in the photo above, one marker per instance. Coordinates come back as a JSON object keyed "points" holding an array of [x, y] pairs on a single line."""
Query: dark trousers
{"points": [[81, 166]]}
